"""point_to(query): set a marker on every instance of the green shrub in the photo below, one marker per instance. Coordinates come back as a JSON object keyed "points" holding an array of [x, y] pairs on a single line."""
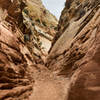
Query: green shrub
{"points": [[25, 11], [55, 28]]}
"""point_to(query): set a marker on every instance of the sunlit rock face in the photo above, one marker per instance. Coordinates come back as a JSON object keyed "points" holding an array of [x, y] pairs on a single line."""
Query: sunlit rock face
{"points": [[74, 10], [75, 50], [36, 23], [41, 26], [38, 12], [77, 23]]}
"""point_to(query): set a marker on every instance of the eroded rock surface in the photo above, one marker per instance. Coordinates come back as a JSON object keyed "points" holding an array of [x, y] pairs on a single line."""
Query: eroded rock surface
{"points": [[18, 69], [40, 24], [74, 43], [74, 11], [71, 70], [14, 64], [75, 54]]}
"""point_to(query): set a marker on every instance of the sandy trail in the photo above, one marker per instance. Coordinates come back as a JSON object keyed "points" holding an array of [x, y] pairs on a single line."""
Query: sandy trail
{"points": [[53, 89]]}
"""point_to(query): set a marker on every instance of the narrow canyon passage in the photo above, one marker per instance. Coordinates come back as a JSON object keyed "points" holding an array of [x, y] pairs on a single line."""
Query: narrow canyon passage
{"points": [[42, 58]]}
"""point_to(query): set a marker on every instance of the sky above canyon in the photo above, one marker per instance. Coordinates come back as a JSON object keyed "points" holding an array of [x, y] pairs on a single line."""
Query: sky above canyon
{"points": [[54, 6]]}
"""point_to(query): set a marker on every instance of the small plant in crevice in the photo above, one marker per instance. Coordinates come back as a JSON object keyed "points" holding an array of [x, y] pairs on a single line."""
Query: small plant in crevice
{"points": [[37, 20], [51, 26], [25, 11], [40, 43], [26, 37], [55, 28], [32, 24], [44, 23]]}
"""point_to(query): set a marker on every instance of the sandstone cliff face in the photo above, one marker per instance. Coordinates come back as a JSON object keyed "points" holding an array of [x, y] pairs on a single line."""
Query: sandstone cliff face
{"points": [[15, 58], [75, 52], [18, 69], [14, 64], [69, 40], [71, 70], [35, 22], [41, 24], [39, 13], [74, 11]]}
